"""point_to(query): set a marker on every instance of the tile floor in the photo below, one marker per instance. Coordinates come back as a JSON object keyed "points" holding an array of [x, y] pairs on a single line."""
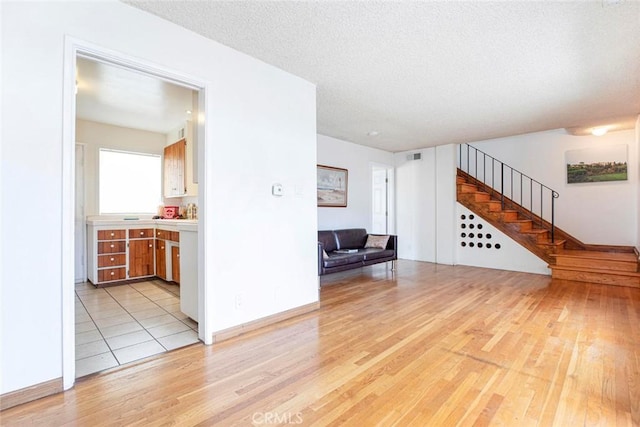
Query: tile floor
{"points": [[120, 324]]}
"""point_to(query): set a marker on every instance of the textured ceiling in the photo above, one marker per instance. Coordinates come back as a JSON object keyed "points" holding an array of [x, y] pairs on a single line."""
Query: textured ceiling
{"points": [[122, 97], [431, 73]]}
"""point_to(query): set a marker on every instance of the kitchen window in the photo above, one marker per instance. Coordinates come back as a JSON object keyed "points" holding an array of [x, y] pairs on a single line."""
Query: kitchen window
{"points": [[129, 182]]}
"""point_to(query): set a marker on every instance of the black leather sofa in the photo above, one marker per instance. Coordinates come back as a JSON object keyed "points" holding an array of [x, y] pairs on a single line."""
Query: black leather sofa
{"points": [[333, 243]]}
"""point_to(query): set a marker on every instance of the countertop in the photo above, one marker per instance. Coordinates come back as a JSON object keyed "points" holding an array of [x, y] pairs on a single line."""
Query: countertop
{"points": [[120, 221]]}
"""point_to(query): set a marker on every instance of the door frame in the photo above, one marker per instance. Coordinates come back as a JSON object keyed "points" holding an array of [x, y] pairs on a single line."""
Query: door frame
{"points": [[73, 48]]}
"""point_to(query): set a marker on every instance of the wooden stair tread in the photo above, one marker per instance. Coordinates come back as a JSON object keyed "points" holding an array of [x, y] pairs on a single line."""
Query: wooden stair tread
{"points": [[611, 256], [603, 271], [534, 231], [558, 242]]}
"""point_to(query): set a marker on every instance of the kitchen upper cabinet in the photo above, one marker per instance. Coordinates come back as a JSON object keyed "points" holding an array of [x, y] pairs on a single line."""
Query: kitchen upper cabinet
{"points": [[174, 169]]}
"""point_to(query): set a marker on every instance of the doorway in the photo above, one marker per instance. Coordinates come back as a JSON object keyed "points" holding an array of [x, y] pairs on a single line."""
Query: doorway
{"points": [[74, 199], [381, 195]]}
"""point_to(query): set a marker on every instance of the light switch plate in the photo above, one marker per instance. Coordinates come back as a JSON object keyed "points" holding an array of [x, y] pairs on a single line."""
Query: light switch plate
{"points": [[276, 190]]}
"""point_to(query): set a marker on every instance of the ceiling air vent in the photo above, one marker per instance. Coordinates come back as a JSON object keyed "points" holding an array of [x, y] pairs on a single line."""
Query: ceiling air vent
{"points": [[414, 156]]}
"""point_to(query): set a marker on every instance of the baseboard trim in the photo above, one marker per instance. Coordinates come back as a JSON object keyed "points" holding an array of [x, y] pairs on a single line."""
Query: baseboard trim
{"points": [[27, 394], [234, 331]]}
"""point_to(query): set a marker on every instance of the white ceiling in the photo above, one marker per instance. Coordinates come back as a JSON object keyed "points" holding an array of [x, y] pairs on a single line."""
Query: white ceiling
{"points": [[424, 73], [122, 97]]}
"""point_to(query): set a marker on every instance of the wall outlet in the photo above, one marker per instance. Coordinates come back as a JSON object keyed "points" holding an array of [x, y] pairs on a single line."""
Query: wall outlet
{"points": [[238, 301]]}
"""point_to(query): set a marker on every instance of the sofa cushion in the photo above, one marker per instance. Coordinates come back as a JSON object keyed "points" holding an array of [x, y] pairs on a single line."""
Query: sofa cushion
{"points": [[328, 240], [335, 260], [377, 241], [375, 253], [351, 238]]}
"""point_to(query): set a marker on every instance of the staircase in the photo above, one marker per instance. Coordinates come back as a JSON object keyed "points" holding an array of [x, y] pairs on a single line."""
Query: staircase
{"points": [[568, 258]]}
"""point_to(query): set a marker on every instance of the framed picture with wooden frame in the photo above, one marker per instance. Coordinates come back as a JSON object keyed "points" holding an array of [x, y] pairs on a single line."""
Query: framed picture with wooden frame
{"points": [[332, 186]]}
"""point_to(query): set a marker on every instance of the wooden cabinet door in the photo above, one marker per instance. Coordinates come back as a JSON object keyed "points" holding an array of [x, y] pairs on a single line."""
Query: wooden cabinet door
{"points": [[174, 169], [161, 259], [175, 263], [141, 258]]}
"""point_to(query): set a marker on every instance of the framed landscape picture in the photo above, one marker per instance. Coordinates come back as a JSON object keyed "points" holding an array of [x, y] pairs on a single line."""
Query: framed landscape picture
{"points": [[332, 186], [597, 164]]}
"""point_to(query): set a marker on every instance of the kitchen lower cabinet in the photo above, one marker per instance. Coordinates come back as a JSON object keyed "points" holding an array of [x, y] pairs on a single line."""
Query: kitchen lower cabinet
{"points": [[141, 258], [168, 255], [175, 263], [117, 253], [109, 260], [161, 259]]}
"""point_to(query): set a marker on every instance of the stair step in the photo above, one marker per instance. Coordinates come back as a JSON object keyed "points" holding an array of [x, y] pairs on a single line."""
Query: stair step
{"points": [[494, 205], [509, 214], [596, 275], [552, 248], [541, 235], [481, 196], [460, 180], [467, 188], [524, 224], [610, 261]]}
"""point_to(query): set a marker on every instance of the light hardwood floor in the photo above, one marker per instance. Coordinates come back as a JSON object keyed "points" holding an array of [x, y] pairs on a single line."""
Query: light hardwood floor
{"points": [[430, 345]]}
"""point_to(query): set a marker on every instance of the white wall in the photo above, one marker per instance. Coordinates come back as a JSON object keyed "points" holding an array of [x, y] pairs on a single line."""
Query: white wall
{"points": [[100, 135], [425, 204], [262, 118], [357, 159], [416, 205], [595, 213]]}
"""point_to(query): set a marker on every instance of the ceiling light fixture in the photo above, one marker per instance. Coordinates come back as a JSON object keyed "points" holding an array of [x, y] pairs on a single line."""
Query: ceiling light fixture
{"points": [[188, 111], [373, 133], [599, 131]]}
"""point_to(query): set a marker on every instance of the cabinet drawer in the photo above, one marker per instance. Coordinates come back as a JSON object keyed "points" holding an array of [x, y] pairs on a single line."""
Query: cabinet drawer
{"points": [[109, 274], [175, 236], [112, 247], [162, 234], [112, 260], [141, 233], [112, 234]]}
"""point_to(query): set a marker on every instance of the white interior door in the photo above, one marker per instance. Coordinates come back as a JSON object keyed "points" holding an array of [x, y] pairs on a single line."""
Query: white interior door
{"points": [[80, 229], [379, 200]]}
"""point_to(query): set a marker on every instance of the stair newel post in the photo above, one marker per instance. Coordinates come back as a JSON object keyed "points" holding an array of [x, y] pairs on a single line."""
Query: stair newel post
{"points": [[553, 206]]}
